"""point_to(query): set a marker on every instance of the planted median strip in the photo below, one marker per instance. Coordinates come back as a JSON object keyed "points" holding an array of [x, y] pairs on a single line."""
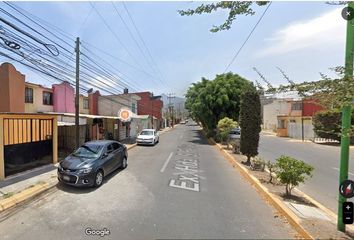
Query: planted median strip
{"points": [[311, 219]]}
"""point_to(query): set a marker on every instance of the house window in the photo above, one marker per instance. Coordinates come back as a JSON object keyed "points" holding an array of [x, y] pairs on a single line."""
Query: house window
{"points": [[86, 103], [281, 123], [47, 98], [296, 106], [133, 107], [28, 95]]}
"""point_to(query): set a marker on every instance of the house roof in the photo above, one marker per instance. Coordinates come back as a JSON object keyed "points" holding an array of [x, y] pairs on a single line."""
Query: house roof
{"points": [[96, 116]]}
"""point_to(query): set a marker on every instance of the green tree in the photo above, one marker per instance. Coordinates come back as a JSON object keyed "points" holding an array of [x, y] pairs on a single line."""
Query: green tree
{"points": [[250, 123], [234, 8], [330, 93], [292, 172], [224, 127], [209, 101]]}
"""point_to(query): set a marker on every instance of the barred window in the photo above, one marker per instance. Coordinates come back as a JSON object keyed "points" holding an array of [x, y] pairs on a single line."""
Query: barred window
{"points": [[281, 123], [296, 106], [86, 103], [28, 95], [47, 98]]}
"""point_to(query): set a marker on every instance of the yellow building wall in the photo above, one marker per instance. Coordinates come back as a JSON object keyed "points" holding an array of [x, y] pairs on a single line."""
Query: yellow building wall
{"points": [[37, 105]]}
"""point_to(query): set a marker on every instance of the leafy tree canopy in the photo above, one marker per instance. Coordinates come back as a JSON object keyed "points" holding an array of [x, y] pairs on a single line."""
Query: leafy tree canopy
{"points": [[208, 101], [330, 93], [234, 9]]}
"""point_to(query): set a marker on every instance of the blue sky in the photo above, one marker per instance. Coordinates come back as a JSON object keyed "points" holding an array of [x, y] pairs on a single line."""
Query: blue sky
{"points": [[303, 38]]}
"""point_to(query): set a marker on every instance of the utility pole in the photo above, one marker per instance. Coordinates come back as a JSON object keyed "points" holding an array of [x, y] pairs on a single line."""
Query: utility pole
{"points": [[170, 107], [77, 97], [346, 118]]}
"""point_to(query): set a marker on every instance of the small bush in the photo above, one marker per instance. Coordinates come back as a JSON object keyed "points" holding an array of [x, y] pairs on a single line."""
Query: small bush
{"points": [[257, 163], [7, 195], [272, 168], [235, 146], [224, 127], [292, 172]]}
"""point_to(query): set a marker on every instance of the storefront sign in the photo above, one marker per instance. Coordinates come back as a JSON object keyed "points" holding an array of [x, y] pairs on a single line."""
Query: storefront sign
{"points": [[125, 115]]}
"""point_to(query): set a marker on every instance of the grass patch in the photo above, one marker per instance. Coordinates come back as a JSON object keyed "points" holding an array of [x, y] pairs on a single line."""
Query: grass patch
{"points": [[40, 182], [7, 195]]}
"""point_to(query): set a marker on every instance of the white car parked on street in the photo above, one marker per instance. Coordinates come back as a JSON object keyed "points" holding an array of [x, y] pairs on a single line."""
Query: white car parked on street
{"points": [[148, 136]]}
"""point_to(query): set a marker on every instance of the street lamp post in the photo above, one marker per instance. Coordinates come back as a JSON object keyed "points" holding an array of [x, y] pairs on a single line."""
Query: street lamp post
{"points": [[346, 118]]}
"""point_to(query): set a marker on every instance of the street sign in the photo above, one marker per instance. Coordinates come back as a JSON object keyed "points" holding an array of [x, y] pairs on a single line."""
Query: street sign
{"points": [[124, 115]]}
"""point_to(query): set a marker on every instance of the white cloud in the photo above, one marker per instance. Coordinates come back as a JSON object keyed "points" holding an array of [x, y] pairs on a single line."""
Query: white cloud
{"points": [[320, 32]]}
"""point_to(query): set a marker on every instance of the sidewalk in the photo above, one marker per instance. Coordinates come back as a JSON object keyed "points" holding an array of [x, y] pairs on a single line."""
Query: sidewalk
{"points": [[20, 187]]}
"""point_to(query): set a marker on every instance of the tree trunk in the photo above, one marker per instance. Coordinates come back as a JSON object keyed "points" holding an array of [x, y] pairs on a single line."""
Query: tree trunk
{"points": [[248, 160], [288, 190]]}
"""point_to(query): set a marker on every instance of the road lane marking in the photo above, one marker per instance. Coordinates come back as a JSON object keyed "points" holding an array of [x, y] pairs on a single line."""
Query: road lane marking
{"points": [[166, 162], [186, 165], [348, 172]]}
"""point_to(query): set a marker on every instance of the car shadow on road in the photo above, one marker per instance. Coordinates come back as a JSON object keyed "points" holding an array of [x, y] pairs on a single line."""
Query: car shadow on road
{"points": [[84, 190]]}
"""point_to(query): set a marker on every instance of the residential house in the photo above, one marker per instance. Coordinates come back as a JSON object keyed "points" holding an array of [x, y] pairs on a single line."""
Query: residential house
{"points": [[271, 112], [110, 105], [63, 98], [151, 105], [38, 98], [12, 89], [28, 139], [297, 122]]}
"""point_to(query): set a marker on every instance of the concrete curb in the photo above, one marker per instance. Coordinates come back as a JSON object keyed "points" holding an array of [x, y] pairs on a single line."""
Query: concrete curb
{"points": [[31, 192], [24, 196], [281, 207]]}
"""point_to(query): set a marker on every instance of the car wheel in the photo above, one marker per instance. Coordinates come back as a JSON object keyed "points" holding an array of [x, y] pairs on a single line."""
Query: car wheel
{"points": [[98, 178], [124, 163]]}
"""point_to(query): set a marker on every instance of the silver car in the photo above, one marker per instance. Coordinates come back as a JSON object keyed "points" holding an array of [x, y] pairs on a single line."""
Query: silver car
{"points": [[148, 136], [235, 134]]}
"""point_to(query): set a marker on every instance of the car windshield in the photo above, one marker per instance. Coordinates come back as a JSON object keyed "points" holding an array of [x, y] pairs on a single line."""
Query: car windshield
{"points": [[88, 151], [147, 133]]}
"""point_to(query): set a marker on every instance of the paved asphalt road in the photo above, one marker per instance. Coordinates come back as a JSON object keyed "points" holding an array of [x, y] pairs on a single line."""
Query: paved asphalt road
{"points": [[180, 188], [324, 185]]}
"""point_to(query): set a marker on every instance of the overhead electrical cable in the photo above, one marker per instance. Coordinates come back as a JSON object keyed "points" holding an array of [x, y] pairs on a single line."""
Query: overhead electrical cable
{"points": [[248, 37]]}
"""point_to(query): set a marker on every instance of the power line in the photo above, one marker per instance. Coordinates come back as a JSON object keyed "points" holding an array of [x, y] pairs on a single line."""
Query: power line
{"points": [[131, 35], [70, 58], [84, 22], [57, 29], [31, 18], [142, 40], [248, 37], [51, 68], [114, 34]]}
